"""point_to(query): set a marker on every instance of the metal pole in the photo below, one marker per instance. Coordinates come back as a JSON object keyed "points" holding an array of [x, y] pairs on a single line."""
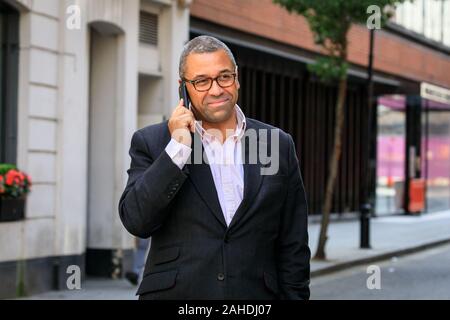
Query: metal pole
{"points": [[442, 21], [365, 227], [366, 208], [425, 157]]}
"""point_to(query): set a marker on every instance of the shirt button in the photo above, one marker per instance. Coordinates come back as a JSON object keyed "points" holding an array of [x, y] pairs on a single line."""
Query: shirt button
{"points": [[220, 277]]}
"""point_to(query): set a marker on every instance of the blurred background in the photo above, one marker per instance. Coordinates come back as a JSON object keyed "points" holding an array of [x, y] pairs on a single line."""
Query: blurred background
{"points": [[78, 77]]}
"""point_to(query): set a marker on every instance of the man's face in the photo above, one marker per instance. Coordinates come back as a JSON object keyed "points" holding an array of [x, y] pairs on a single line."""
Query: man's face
{"points": [[217, 104]]}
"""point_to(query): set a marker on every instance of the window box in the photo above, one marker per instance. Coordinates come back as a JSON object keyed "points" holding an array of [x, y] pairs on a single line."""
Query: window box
{"points": [[12, 209], [14, 187]]}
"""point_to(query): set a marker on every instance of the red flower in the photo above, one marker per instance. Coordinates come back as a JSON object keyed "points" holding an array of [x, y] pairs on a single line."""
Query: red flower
{"points": [[10, 175], [15, 182], [13, 177]]}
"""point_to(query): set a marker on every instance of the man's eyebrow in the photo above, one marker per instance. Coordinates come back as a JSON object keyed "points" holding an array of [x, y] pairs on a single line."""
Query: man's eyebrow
{"points": [[201, 76], [207, 76]]}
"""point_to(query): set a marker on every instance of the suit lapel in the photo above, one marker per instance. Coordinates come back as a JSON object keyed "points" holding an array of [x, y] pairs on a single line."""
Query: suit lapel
{"points": [[252, 178], [201, 176]]}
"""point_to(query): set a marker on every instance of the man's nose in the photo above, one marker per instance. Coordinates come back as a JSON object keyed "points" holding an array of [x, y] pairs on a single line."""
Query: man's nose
{"points": [[215, 90]]}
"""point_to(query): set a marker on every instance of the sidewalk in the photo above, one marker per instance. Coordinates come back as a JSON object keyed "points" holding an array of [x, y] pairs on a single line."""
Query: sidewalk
{"points": [[93, 289], [389, 236]]}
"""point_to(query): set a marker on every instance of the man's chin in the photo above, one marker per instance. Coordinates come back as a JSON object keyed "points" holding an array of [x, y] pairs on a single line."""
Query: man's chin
{"points": [[218, 116], [215, 119]]}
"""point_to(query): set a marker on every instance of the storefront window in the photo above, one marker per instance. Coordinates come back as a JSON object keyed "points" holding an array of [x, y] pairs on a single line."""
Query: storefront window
{"points": [[390, 154], [436, 152]]}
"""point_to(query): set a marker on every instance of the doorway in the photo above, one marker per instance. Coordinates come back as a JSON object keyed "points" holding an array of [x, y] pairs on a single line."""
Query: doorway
{"points": [[102, 259]]}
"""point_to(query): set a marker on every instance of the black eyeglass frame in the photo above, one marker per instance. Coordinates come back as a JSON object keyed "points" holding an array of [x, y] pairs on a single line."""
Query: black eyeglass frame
{"points": [[234, 74]]}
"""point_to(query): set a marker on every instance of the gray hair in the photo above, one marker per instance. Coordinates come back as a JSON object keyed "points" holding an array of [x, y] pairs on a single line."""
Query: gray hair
{"points": [[202, 44]]}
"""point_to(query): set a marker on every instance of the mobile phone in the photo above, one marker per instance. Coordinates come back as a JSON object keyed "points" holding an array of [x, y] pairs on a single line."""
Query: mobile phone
{"points": [[184, 94]]}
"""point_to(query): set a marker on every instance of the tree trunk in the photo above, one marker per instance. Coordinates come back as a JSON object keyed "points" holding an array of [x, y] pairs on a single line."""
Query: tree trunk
{"points": [[334, 164]]}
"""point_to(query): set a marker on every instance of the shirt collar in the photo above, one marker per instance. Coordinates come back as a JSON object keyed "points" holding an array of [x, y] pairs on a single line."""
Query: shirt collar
{"points": [[238, 133]]}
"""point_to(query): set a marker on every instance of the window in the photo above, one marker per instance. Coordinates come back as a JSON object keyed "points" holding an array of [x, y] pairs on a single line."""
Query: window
{"points": [[148, 28], [9, 63]]}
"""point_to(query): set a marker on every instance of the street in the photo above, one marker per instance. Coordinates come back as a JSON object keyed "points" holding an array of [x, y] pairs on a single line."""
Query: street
{"points": [[423, 275]]}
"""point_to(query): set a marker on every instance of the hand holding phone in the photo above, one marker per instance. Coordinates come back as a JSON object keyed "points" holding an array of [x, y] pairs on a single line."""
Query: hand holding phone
{"points": [[184, 94], [180, 123]]}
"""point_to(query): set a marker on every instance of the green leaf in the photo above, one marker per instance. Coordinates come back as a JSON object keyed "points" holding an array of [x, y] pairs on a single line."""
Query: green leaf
{"points": [[330, 21], [5, 167], [329, 69]]}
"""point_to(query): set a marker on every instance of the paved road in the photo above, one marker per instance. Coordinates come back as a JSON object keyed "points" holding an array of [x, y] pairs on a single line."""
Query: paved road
{"points": [[424, 275]]}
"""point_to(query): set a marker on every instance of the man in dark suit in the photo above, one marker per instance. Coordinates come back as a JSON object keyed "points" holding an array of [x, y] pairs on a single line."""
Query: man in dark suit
{"points": [[223, 226]]}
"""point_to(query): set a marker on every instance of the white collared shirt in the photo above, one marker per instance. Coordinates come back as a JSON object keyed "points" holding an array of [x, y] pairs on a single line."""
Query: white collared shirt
{"points": [[225, 161]]}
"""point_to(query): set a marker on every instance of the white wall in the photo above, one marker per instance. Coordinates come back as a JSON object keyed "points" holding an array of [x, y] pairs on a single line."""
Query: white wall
{"points": [[37, 127], [54, 119], [71, 224], [151, 100], [174, 22]]}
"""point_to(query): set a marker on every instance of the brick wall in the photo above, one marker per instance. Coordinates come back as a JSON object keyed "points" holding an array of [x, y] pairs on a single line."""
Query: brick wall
{"points": [[393, 54]]}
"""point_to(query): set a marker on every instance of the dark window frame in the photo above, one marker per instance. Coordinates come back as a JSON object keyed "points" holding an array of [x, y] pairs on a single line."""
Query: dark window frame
{"points": [[9, 70], [148, 28]]}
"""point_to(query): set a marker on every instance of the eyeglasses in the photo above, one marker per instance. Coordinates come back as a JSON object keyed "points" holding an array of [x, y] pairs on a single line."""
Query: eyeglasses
{"points": [[204, 84]]}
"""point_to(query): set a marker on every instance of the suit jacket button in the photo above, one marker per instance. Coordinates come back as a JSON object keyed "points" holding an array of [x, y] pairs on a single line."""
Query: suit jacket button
{"points": [[220, 277]]}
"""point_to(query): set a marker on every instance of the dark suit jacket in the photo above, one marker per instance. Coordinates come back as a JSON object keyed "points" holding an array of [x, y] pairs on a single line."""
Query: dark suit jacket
{"points": [[263, 254]]}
